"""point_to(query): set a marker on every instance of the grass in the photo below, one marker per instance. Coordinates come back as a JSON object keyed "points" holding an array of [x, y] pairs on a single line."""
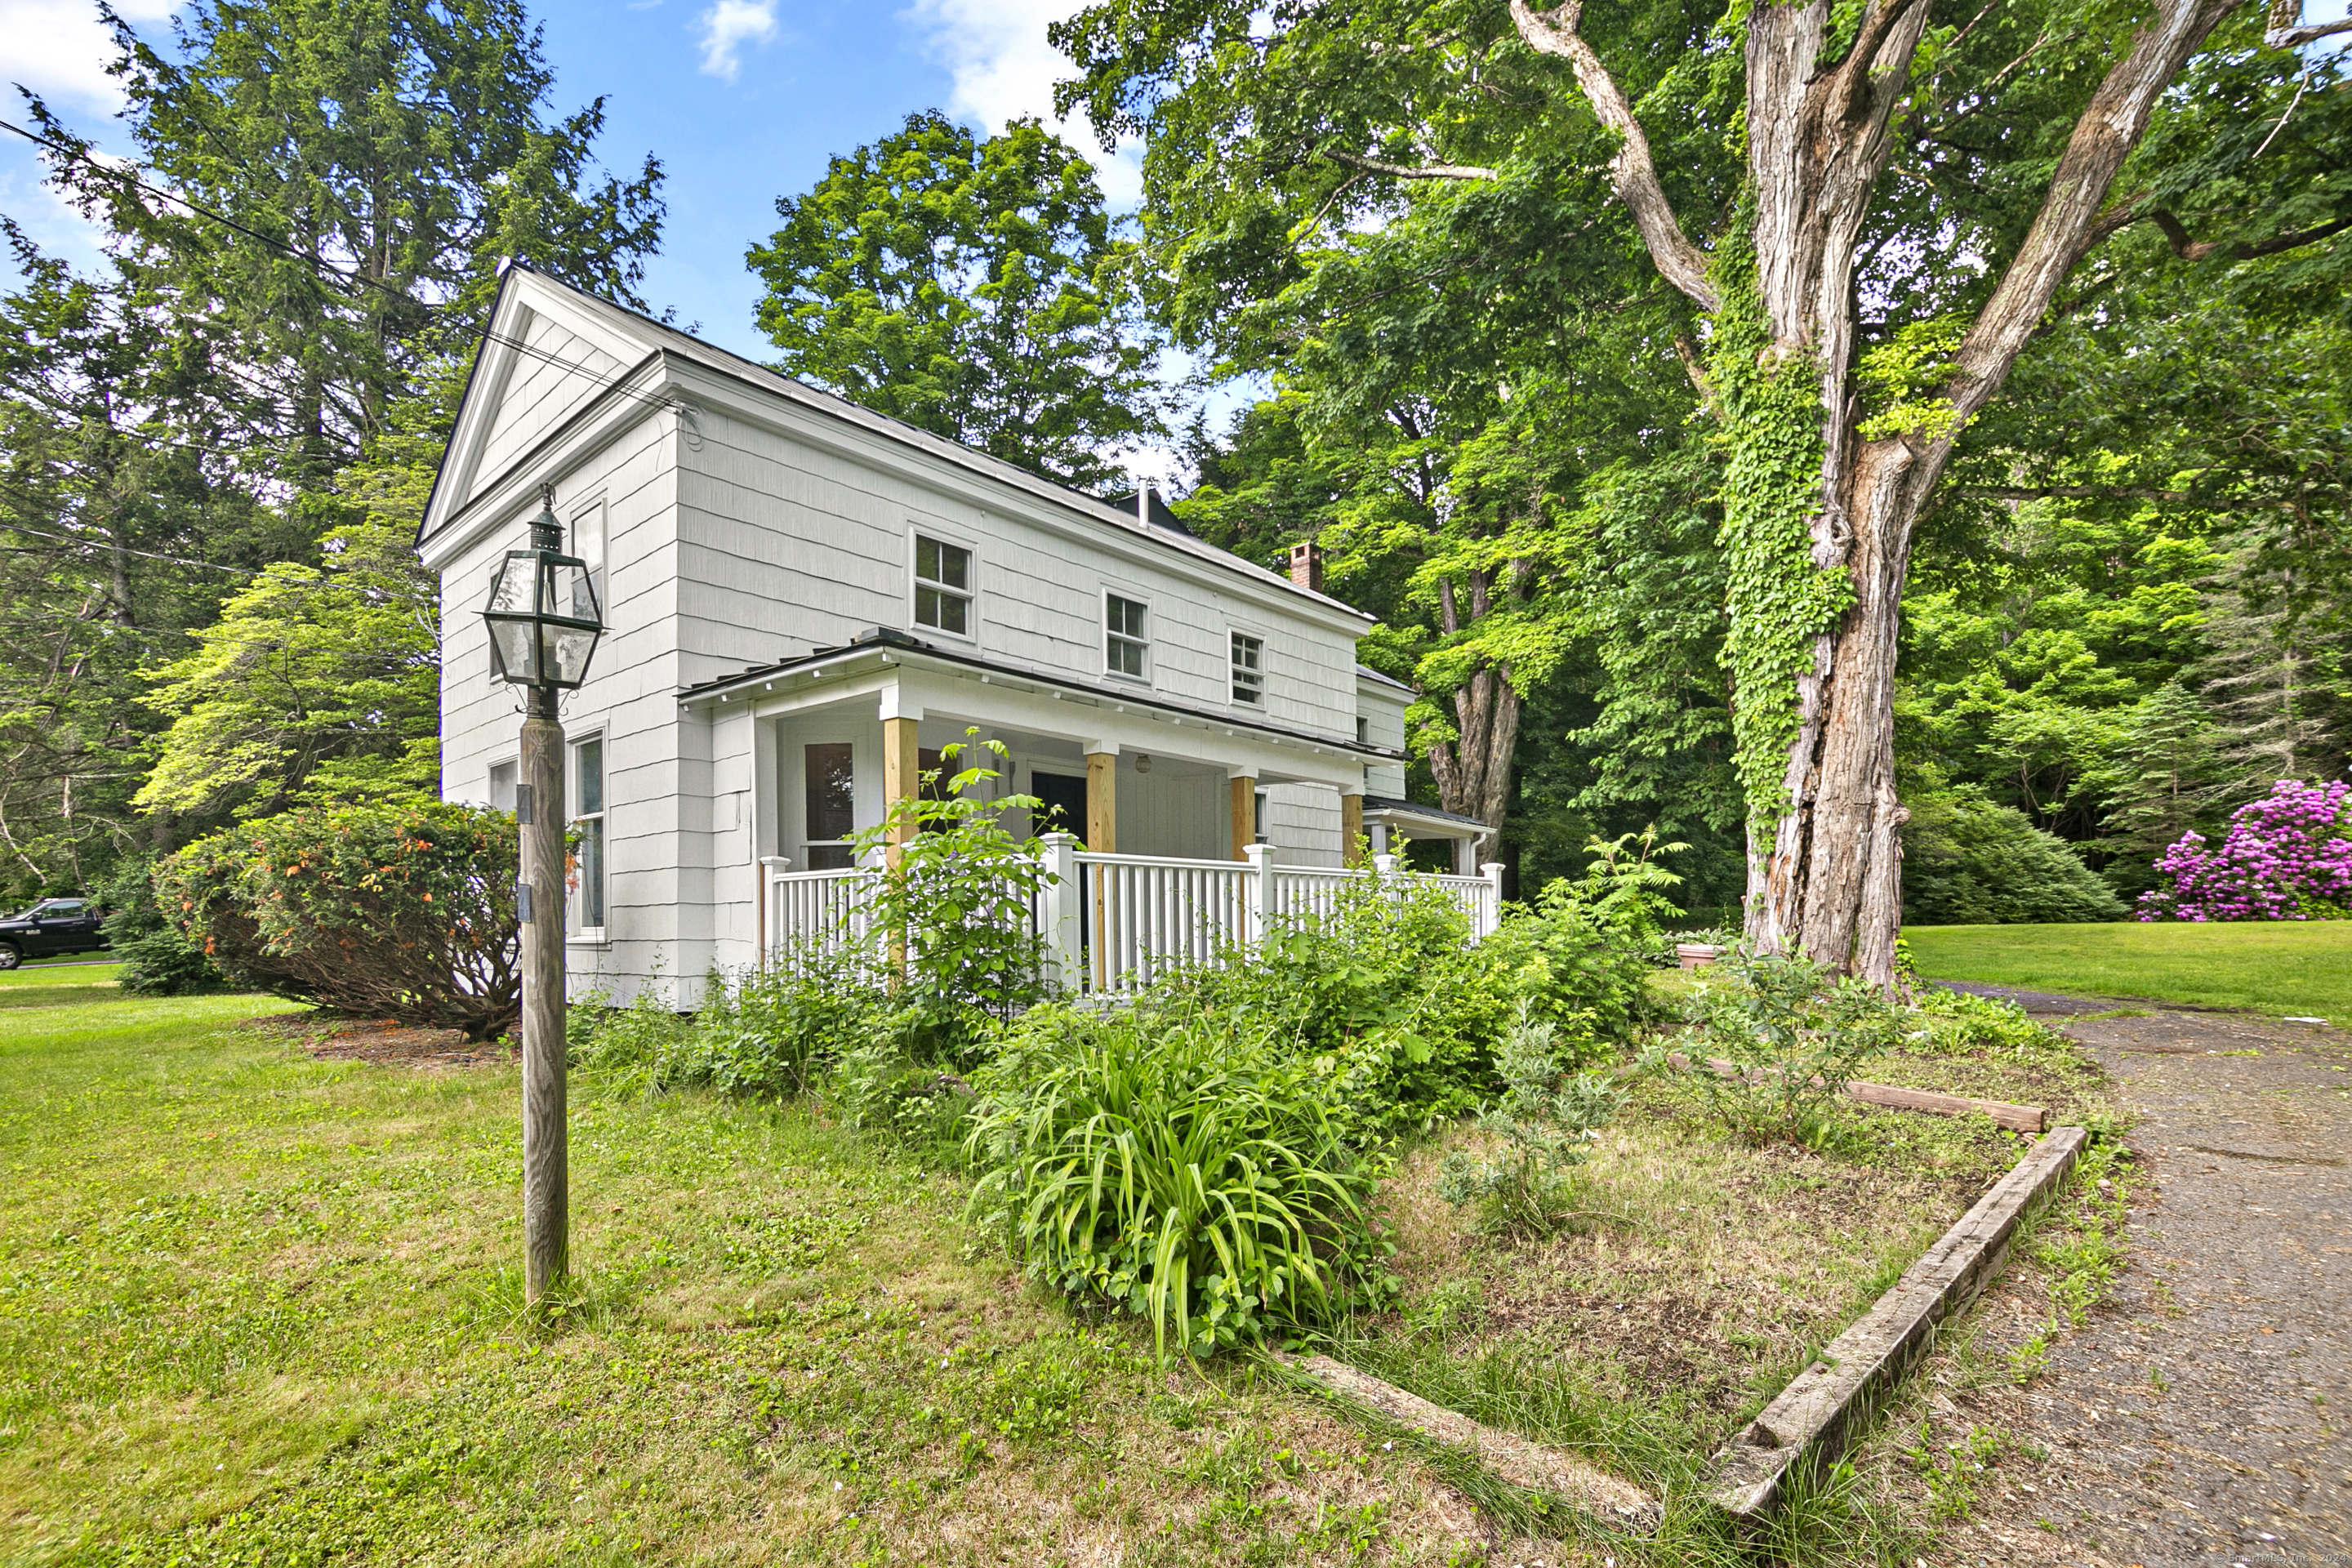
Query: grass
{"points": [[2279, 968], [265, 1307]]}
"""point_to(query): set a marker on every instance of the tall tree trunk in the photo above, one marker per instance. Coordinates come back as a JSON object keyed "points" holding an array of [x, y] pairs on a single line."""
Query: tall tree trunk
{"points": [[1474, 770], [1824, 861]]}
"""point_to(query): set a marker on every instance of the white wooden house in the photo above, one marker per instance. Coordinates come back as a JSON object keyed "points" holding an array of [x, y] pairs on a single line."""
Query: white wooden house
{"points": [[805, 600]]}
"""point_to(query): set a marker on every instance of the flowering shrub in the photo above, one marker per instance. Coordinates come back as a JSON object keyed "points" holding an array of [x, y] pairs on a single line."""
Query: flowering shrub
{"points": [[387, 911], [2285, 858]]}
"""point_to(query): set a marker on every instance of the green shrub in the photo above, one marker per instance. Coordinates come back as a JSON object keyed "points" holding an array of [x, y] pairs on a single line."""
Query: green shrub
{"points": [[1794, 1038], [955, 900], [1575, 966], [1190, 1176], [386, 912], [774, 1035], [1386, 989], [1967, 860], [159, 959], [1547, 1120]]}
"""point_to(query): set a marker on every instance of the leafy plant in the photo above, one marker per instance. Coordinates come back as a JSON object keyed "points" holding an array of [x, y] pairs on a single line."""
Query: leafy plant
{"points": [[402, 912], [1386, 988], [955, 897], [1547, 1120], [1624, 888], [772, 1034], [1791, 1039], [158, 958], [1192, 1176]]}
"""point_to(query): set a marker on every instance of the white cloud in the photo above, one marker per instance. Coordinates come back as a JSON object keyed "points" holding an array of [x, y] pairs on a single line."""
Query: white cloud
{"points": [[1003, 69], [60, 49], [728, 26]]}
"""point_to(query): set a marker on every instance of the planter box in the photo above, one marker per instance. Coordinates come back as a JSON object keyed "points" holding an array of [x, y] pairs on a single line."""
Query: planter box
{"points": [[1697, 954]]}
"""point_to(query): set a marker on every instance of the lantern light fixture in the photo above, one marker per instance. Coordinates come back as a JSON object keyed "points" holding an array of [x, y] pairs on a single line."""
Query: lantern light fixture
{"points": [[542, 613]]}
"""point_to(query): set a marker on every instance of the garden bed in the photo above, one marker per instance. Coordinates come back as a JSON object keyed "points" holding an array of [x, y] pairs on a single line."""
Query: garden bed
{"points": [[1703, 1274]]}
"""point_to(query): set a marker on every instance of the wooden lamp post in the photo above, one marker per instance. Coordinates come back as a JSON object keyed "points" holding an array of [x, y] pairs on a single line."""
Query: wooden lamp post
{"points": [[543, 626]]}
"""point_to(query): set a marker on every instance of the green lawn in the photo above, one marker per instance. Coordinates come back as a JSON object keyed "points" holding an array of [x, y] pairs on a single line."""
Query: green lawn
{"points": [[257, 1307], [2281, 967]]}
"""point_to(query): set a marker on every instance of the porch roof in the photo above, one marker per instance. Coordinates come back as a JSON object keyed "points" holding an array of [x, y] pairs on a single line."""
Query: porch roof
{"points": [[1441, 823], [889, 641]]}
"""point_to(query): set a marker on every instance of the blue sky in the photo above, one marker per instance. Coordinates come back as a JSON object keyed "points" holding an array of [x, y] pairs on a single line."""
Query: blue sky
{"points": [[741, 100]]}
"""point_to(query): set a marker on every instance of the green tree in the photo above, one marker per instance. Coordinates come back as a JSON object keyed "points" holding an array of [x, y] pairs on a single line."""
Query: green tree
{"points": [[1853, 321], [122, 521], [975, 288], [377, 159], [259, 355], [320, 685]]}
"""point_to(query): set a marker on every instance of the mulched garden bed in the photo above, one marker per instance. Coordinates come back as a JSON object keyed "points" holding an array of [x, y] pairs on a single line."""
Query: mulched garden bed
{"points": [[384, 1041]]}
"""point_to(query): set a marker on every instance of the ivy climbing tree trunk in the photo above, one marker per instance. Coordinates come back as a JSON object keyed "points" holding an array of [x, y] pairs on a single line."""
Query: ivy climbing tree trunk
{"points": [[1820, 503]]}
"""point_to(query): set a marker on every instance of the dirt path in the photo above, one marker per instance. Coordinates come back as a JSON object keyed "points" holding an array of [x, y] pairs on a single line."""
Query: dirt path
{"points": [[2204, 1417]]}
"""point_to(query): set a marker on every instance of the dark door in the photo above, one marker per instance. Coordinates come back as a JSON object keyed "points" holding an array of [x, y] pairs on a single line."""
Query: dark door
{"points": [[1065, 795]]}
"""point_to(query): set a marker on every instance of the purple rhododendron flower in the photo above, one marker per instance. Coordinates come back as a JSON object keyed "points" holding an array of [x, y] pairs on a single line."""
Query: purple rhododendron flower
{"points": [[2285, 858]]}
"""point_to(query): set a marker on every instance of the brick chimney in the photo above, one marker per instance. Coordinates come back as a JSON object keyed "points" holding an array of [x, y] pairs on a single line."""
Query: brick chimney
{"points": [[1306, 565]]}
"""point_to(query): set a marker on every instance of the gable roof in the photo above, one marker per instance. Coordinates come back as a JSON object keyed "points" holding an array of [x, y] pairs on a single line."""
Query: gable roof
{"points": [[644, 353]]}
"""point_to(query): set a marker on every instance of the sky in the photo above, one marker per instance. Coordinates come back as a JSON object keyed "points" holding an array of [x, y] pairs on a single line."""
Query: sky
{"points": [[742, 101]]}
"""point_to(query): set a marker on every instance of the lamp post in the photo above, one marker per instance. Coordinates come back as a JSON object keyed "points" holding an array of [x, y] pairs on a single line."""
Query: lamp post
{"points": [[543, 626]]}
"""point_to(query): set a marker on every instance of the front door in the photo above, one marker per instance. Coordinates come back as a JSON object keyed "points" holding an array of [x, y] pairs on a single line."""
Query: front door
{"points": [[1065, 795]]}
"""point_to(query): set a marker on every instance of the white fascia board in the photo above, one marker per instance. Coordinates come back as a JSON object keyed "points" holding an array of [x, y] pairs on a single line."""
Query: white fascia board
{"points": [[823, 426]]}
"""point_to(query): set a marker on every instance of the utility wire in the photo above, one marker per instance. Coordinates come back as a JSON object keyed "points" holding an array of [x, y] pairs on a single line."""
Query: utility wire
{"points": [[126, 550]]}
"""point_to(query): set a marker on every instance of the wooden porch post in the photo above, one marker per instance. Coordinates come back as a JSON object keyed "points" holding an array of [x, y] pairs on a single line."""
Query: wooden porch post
{"points": [[902, 777], [1241, 791], [1352, 824], [1102, 797]]}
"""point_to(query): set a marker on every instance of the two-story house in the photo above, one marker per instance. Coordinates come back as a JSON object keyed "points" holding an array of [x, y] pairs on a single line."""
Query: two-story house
{"points": [[805, 601]]}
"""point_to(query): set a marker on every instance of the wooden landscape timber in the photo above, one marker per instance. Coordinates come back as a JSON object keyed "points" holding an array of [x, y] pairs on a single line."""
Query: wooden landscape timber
{"points": [[2016, 1118], [1515, 1458], [1818, 1413]]}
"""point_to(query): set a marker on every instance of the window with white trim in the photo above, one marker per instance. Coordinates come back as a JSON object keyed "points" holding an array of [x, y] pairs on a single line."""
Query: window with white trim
{"points": [[1249, 669], [1127, 642], [588, 828], [943, 586]]}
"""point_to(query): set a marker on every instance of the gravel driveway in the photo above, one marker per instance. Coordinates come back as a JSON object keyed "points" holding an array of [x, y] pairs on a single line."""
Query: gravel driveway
{"points": [[2204, 1417]]}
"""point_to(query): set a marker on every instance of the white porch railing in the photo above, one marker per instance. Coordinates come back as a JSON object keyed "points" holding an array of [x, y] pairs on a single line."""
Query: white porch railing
{"points": [[1113, 923]]}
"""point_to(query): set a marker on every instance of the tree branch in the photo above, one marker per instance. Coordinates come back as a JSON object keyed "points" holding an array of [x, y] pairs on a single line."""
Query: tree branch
{"points": [[2291, 38], [1632, 171], [2187, 249], [2071, 219], [1410, 170], [2113, 492]]}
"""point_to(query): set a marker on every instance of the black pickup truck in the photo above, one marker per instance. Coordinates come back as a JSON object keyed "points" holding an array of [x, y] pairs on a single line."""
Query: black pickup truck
{"points": [[51, 929]]}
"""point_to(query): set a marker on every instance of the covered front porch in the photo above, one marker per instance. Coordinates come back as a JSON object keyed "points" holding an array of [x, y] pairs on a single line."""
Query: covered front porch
{"points": [[1188, 828]]}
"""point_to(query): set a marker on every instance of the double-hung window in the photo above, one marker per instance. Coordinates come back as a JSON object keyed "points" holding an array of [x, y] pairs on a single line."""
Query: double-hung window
{"points": [[588, 825], [1249, 669], [943, 587], [1126, 641]]}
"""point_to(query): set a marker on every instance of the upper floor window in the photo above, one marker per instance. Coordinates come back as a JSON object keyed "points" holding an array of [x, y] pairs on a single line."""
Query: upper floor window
{"points": [[1249, 669], [943, 586], [1126, 641]]}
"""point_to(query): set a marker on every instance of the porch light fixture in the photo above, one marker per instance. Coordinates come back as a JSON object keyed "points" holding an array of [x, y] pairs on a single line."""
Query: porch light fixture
{"points": [[543, 611], [543, 626]]}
